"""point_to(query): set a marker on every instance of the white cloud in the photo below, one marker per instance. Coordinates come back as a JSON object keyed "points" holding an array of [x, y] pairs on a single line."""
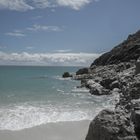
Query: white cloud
{"points": [[44, 28], [74, 4], [35, 28], [41, 3], [24, 5], [18, 5], [16, 33], [62, 51], [61, 59]]}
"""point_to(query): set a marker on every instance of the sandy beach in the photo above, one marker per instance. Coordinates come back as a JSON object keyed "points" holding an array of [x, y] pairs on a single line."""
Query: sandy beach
{"points": [[51, 131]]}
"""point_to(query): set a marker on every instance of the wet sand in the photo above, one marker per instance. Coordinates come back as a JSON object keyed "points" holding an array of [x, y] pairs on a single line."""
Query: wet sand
{"points": [[51, 131]]}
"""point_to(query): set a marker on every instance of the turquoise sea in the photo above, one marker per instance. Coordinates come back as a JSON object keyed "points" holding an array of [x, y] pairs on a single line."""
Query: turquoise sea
{"points": [[36, 95]]}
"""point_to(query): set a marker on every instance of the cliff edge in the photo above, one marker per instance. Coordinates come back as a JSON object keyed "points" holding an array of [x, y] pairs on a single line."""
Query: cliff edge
{"points": [[124, 52]]}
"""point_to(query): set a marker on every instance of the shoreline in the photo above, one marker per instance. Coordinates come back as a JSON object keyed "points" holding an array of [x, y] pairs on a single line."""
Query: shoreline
{"points": [[74, 130]]}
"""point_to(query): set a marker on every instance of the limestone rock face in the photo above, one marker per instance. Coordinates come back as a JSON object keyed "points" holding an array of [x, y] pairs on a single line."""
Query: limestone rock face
{"points": [[111, 125]]}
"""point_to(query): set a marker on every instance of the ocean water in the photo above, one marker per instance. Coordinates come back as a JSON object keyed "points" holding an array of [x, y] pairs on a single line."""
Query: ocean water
{"points": [[31, 96]]}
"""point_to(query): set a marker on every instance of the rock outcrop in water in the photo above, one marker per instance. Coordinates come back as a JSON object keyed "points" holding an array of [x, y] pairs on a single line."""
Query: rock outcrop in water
{"points": [[117, 72], [66, 75]]}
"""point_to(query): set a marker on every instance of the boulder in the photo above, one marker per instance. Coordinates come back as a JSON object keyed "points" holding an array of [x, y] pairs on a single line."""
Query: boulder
{"points": [[99, 91], [107, 81], [96, 88], [111, 125], [66, 75]]}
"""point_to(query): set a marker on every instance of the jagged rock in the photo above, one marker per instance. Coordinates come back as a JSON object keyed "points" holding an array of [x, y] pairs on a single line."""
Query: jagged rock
{"points": [[96, 88], [82, 71], [91, 84], [66, 75], [115, 84], [135, 104], [130, 91], [123, 66], [106, 82], [98, 91], [134, 93], [82, 76], [116, 72], [138, 66], [136, 120], [111, 125], [124, 52]]}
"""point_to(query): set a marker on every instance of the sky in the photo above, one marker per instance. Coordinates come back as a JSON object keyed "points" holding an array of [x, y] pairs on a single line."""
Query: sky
{"points": [[63, 32]]}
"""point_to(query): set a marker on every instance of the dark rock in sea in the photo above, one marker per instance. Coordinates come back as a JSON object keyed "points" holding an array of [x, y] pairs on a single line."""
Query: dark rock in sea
{"points": [[66, 75], [111, 125], [124, 52], [82, 71]]}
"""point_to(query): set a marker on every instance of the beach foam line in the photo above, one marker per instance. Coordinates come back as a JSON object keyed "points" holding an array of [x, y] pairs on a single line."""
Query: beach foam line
{"points": [[58, 77], [80, 90], [26, 116]]}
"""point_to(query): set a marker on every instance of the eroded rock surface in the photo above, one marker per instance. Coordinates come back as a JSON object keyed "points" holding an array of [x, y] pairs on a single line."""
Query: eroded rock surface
{"points": [[116, 72], [124, 52], [111, 125]]}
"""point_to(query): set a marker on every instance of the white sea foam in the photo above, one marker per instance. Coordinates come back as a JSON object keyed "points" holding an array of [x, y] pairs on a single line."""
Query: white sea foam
{"points": [[34, 102], [26, 116], [80, 90], [59, 90], [58, 77]]}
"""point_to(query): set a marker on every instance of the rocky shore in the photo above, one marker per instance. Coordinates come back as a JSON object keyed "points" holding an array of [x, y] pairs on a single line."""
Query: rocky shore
{"points": [[116, 72]]}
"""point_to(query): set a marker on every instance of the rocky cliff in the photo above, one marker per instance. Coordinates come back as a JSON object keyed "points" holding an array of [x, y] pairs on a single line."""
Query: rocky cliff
{"points": [[124, 52], [116, 72]]}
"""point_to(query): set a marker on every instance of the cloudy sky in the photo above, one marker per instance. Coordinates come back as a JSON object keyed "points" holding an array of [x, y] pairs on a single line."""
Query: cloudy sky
{"points": [[63, 32]]}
